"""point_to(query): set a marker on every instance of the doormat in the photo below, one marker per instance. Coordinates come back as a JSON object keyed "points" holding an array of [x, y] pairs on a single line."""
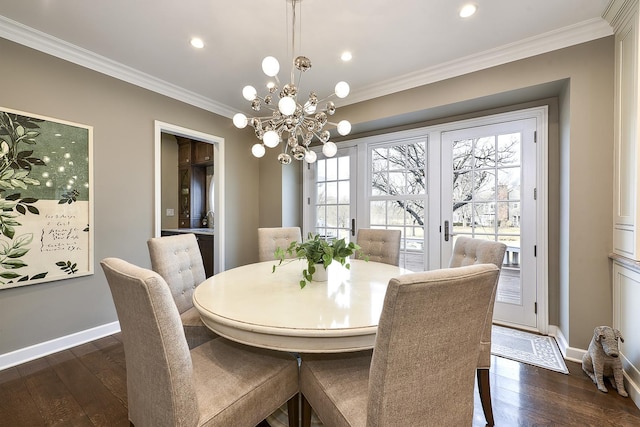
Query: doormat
{"points": [[525, 347]]}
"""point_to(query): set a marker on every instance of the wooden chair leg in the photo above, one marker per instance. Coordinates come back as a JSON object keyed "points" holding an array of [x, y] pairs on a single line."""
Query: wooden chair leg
{"points": [[306, 411], [293, 408], [485, 395]]}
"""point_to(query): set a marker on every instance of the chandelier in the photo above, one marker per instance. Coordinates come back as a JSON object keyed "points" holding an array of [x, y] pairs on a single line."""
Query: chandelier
{"points": [[294, 120]]}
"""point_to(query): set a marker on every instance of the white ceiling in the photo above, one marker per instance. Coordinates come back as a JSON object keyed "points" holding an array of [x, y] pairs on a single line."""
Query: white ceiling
{"points": [[396, 45]]}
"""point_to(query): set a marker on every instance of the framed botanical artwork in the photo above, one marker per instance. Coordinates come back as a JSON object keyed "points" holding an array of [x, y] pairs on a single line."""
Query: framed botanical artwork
{"points": [[46, 208]]}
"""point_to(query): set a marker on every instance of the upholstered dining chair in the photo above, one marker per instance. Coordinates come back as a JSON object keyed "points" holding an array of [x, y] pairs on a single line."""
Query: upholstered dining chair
{"points": [[178, 260], [421, 372], [379, 245], [219, 383], [270, 238], [468, 251]]}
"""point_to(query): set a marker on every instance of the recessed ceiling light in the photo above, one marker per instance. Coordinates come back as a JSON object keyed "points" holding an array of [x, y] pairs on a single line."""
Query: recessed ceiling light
{"points": [[346, 56], [468, 10], [197, 43]]}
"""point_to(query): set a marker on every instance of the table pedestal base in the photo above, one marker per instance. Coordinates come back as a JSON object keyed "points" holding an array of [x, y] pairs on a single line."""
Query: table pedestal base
{"points": [[280, 418]]}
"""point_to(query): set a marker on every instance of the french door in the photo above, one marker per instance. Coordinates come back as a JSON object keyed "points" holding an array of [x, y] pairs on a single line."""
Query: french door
{"points": [[330, 195], [478, 178], [489, 192], [381, 187]]}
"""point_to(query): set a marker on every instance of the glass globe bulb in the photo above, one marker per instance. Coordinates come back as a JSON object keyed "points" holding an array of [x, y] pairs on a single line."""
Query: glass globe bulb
{"points": [[271, 138], [344, 127], [258, 150], [329, 149], [240, 121], [287, 105], [270, 66], [249, 93], [342, 89], [310, 156]]}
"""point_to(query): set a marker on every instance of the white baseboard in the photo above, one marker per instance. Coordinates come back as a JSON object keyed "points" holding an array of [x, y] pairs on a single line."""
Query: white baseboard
{"points": [[632, 388], [27, 354], [569, 353]]}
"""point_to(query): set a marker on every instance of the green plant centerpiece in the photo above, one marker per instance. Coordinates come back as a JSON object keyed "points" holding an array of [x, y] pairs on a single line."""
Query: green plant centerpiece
{"points": [[317, 251]]}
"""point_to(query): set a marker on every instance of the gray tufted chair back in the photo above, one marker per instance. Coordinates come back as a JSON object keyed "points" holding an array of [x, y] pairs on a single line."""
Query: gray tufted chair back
{"points": [[159, 369], [468, 251], [421, 370], [178, 260], [218, 383], [379, 245], [270, 238]]}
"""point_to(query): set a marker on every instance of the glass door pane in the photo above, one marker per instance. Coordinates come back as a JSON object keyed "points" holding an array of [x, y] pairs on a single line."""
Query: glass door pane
{"points": [[332, 195], [398, 197], [486, 199]]}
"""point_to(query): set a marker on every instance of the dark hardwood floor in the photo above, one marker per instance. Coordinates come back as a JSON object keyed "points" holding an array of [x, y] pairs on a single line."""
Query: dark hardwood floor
{"points": [[86, 386]]}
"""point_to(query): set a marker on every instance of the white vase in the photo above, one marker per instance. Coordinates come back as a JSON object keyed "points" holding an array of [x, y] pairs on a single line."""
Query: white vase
{"points": [[321, 274]]}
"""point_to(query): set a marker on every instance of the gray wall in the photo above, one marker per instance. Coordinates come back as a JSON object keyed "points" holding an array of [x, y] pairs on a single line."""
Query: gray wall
{"points": [[292, 195], [122, 116], [280, 191], [169, 189]]}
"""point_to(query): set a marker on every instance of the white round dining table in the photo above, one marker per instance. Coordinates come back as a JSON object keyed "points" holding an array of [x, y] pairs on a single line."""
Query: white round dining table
{"points": [[255, 306]]}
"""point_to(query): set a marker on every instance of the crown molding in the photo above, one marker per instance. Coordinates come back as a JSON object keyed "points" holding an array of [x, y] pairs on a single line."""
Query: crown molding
{"points": [[27, 36], [568, 36], [564, 37], [617, 11]]}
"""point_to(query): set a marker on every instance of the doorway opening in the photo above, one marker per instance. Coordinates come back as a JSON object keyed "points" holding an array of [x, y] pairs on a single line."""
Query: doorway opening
{"points": [[216, 193]]}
